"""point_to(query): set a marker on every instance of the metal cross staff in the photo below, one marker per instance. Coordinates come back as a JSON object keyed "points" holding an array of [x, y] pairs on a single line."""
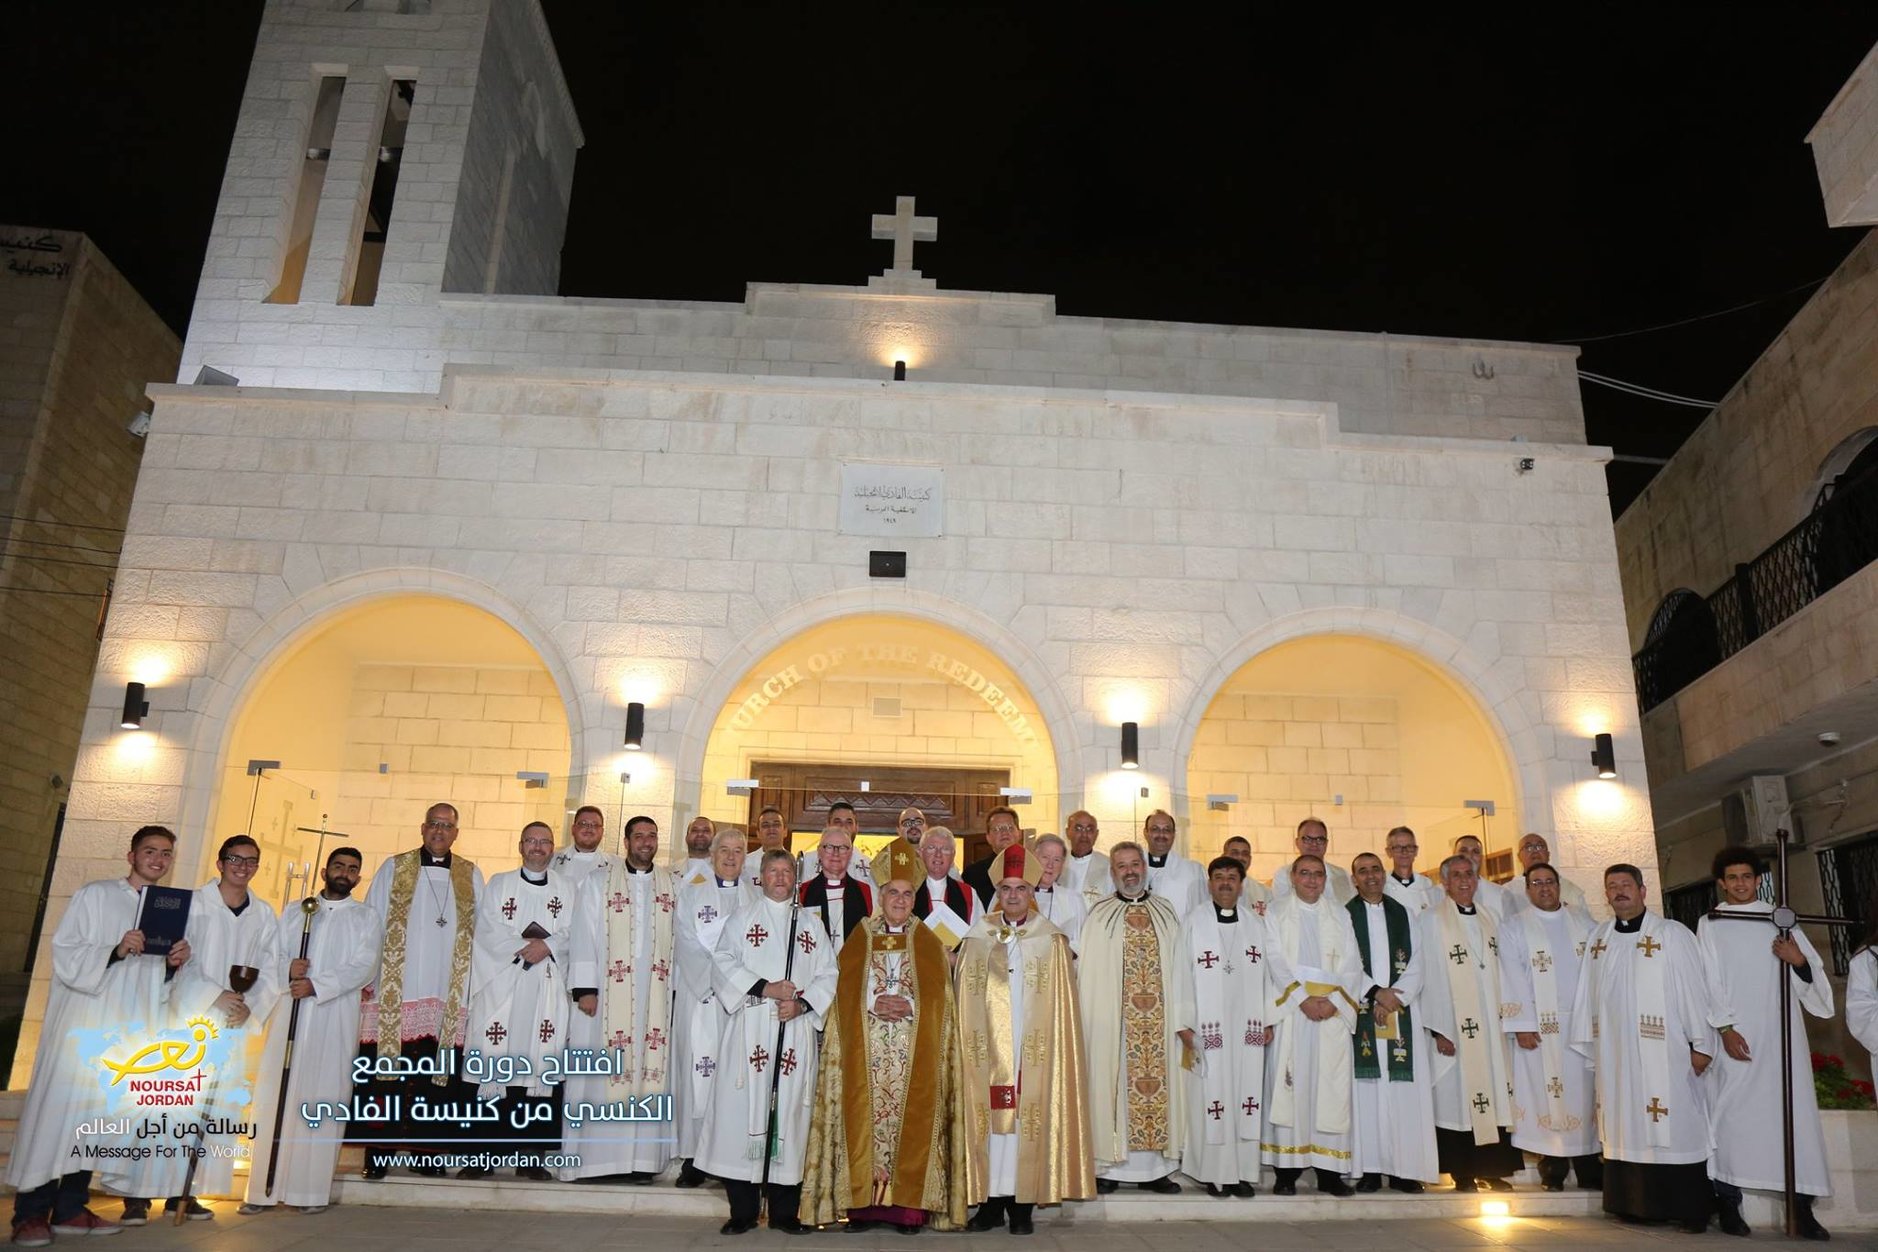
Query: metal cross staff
{"points": [[1784, 920]]}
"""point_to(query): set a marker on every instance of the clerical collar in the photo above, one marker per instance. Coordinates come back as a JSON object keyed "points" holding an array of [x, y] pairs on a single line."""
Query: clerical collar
{"points": [[588, 853], [1085, 856], [938, 885], [1158, 862], [891, 929], [1467, 910], [1406, 882], [441, 862], [834, 884], [1051, 890], [1134, 899], [1630, 927], [532, 881], [630, 869], [1228, 916], [727, 882]]}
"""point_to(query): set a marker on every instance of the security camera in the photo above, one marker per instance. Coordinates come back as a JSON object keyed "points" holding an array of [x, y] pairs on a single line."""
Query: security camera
{"points": [[1827, 738], [139, 425]]}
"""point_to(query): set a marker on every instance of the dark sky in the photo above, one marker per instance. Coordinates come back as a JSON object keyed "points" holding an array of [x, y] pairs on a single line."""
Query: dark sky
{"points": [[1508, 174]]}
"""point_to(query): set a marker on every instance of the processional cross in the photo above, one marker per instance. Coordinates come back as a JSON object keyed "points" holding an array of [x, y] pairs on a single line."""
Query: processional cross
{"points": [[1784, 920]]}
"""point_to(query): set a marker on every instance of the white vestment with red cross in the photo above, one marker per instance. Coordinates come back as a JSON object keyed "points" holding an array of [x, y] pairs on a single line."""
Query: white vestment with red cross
{"points": [[517, 1009]]}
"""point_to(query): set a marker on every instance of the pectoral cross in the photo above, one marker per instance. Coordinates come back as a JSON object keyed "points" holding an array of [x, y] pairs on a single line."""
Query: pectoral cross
{"points": [[1649, 947], [1656, 1110], [1470, 1028], [1458, 954]]}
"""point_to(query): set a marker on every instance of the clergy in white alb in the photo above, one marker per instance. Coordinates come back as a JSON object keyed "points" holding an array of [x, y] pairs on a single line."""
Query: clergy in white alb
{"points": [[1642, 1015], [697, 865], [1554, 1109], [1488, 895], [584, 855], [1225, 945], [1176, 879], [705, 906], [520, 998], [1414, 892], [1317, 981], [772, 833], [320, 1010], [1062, 905], [230, 929], [1463, 1009], [774, 973], [418, 1006], [1313, 839], [1086, 871], [622, 981], [1861, 992], [1395, 1115], [1138, 1027], [1744, 978], [1533, 850], [838, 900], [841, 817], [101, 979], [1253, 894]]}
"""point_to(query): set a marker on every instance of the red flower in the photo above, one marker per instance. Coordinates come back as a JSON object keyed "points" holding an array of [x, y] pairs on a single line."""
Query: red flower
{"points": [[1819, 1060]]}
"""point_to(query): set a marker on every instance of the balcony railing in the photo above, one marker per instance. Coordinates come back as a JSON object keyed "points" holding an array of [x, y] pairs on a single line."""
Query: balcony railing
{"points": [[1697, 633]]}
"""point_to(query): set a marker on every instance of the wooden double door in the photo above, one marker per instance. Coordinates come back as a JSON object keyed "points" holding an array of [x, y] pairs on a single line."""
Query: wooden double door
{"points": [[957, 799]]}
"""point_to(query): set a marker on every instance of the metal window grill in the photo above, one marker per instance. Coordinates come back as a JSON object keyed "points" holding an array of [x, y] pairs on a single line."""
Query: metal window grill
{"points": [[1689, 904], [1848, 877]]}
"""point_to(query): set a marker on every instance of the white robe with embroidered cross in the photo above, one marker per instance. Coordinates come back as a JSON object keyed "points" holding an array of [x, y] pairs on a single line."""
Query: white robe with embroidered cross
{"points": [[1543, 956], [623, 946], [705, 907], [1338, 888], [1232, 1009], [1179, 881], [1066, 910], [1463, 1001], [1417, 896], [1395, 1121], [1642, 1005], [515, 1010], [576, 866], [759, 1051], [92, 995], [1308, 1065], [1089, 875], [1744, 992], [342, 956]]}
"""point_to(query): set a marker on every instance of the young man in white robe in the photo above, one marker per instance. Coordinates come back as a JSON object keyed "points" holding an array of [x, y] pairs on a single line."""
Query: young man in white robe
{"points": [[1063, 905], [1313, 839], [622, 979], [1395, 1114], [1086, 871], [584, 854], [1861, 992], [775, 975], [698, 837], [1225, 943], [1252, 893], [1176, 879], [526, 925], [1642, 1016], [772, 833], [1414, 892], [705, 907], [229, 927], [342, 938], [1317, 981], [1462, 1008], [1138, 1027], [1533, 850], [1543, 957], [101, 977], [1744, 1005], [417, 1007]]}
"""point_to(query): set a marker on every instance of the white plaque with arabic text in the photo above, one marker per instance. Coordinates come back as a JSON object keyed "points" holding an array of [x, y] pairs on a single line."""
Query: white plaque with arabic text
{"points": [[893, 501]]}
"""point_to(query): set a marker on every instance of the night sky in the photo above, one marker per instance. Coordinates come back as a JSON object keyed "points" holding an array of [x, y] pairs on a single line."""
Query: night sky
{"points": [[1482, 176]]}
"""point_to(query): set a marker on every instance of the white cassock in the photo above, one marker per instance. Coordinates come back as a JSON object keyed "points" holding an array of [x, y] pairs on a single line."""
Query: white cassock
{"points": [[1338, 889], [1462, 1001], [705, 907], [1570, 894], [1861, 1000], [697, 867], [1418, 895], [342, 956], [515, 1010], [1637, 1014], [575, 866], [1253, 895], [1103, 984], [1177, 880], [1089, 875], [1744, 992], [1542, 959], [1492, 896], [1395, 1120], [756, 946], [1065, 908], [1232, 1006], [90, 993], [623, 946], [219, 938], [1308, 1067]]}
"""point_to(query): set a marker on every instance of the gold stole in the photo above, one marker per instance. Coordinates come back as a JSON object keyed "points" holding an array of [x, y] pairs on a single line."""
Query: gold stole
{"points": [[1476, 1062], [622, 1007], [405, 868]]}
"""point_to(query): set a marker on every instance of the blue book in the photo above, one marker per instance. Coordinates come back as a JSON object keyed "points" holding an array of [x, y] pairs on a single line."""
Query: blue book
{"points": [[163, 918]]}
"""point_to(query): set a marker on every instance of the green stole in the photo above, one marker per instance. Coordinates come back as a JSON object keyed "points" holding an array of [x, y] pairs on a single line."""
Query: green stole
{"points": [[1401, 944]]}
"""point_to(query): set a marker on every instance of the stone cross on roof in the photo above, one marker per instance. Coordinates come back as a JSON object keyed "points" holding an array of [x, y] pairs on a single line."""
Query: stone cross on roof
{"points": [[905, 230]]}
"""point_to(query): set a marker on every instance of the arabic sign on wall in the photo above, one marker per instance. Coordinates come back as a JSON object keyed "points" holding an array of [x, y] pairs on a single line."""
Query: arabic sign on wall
{"points": [[897, 501], [35, 256]]}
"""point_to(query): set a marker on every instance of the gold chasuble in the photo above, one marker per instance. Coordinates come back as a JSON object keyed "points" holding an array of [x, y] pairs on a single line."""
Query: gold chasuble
{"points": [[1033, 1087], [888, 1123]]}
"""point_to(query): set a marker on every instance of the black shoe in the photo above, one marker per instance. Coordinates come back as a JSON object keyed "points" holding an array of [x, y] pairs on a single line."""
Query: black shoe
{"points": [[1162, 1186], [1106, 1186], [1804, 1221], [472, 1173], [1729, 1213], [1497, 1184], [533, 1173], [1245, 1190], [690, 1175], [431, 1171], [599, 1180], [909, 1230], [1464, 1185], [855, 1228], [1369, 1184], [136, 1213], [1549, 1185], [1695, 1226], [1334, 1186], [790, 1226], [193, 1211], [374, 1172], [988, 1217], [1022, 1225], [1407, 1186], [640, 1178], [735, 1227], [1216, 1192], [1285, 1188]]}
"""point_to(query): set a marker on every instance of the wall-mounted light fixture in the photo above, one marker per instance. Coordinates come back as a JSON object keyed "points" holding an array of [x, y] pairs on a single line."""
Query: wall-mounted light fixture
{"points": [[136, 708], [1131, 746], [1604, 756], [635, 726], [899, 371]]}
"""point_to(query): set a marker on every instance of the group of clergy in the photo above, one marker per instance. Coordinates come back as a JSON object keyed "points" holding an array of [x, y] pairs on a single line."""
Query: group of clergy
{"points": [[892, 1042]]}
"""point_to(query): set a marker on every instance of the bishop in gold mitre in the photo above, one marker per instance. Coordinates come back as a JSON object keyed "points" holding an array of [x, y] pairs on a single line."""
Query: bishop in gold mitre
{"points": [[887, 1138]]}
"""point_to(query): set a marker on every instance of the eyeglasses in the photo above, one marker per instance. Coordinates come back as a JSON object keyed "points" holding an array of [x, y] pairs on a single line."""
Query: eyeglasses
{"points": [[242, 862], [1313, 838], [439, 825]]}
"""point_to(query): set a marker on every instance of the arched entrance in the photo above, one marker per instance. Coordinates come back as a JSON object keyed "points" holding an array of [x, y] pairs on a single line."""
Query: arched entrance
{"points": [[882, 711], [383, 709], [1360, 733]]}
